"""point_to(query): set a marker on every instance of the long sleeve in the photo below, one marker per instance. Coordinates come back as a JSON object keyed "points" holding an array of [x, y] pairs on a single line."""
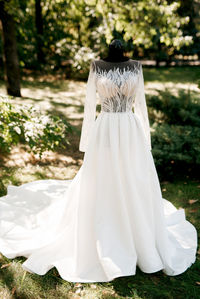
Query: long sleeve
{"points": [[89, 109], [140, 107]]}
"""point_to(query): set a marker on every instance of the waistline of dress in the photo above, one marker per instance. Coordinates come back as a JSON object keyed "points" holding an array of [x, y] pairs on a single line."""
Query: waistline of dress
{"points": [[116, 112]]}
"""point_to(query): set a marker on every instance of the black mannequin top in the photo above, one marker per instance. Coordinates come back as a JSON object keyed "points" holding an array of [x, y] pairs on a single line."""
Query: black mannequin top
{"points": [[116, 58], [116, 52]]}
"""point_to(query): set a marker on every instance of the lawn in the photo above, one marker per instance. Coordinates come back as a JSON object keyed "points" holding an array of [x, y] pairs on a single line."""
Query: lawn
{"points": [[66, 98]]}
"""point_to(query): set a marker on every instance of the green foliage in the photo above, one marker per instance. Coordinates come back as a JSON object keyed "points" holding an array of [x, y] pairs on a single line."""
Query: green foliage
{"points": [[153, 25], [81, 57], [198, 82], [179, 110], [176, 148], [176, 133], [24, 124], [75, 28]]}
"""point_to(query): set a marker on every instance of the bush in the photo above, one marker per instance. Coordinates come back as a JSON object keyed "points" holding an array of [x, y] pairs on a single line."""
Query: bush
{"points": [[176, 133], [176, 149], [24, 124], [80, 58], [179, 110]]}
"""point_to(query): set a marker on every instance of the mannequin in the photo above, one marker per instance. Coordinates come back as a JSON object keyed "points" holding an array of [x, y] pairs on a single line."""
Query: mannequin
{"points": [[115, 59], [116, 52]]}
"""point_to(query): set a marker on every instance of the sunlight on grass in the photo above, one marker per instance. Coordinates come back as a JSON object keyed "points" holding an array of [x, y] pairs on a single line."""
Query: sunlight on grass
{"points": [[64, 102], [66, 97]]}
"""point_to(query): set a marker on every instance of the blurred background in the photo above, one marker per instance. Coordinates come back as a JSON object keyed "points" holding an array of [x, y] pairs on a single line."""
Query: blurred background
{"points": [[46, 47], [56, 35]]}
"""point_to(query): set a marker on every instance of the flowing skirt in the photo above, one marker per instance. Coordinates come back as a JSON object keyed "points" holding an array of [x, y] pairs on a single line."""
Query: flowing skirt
{"points": [[110, 218]]}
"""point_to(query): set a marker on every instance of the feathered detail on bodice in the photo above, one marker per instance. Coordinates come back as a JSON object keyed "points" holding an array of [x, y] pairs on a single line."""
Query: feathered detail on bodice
{"points": [[120, 87], [115, 86]]}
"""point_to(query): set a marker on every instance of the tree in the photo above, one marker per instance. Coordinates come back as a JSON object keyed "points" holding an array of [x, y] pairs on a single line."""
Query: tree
{"points": [[39, 30], [10, 50], [152, 25], [191, 8]]}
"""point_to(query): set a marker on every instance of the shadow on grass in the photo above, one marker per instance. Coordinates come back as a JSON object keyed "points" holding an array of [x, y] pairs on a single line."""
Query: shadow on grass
{"points": [[57, 85], [50, 282], [159, 285]]}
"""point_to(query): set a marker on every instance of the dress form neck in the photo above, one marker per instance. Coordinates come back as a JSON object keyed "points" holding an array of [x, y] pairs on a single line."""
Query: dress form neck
{"points": [[115, 57]]}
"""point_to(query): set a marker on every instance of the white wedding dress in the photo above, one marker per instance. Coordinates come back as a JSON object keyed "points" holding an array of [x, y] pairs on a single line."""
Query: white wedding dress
{"points": [[111, 217]]}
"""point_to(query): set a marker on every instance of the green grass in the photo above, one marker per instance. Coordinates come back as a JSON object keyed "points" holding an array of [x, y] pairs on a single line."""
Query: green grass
{"points": [[141, 285], [178, 74], [66, 98]]}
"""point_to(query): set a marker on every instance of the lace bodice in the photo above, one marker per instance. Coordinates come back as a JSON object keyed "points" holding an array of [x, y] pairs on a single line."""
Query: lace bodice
{"points": [[120, 86]]}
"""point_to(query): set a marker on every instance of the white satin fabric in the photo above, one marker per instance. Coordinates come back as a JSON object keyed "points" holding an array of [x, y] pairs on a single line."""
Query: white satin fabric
{"points": [[107, 220]]}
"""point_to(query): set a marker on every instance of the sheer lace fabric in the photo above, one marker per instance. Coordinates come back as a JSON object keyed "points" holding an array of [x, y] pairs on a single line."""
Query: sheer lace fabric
{"points": [[120, 87]]}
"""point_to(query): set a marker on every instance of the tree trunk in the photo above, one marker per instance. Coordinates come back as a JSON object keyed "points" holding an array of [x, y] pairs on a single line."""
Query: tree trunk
{"points": [[39, 29], [158, 57], [10, 52]]}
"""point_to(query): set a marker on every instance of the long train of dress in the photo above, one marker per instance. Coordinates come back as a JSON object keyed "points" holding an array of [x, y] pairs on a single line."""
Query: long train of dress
{"points": [[107, 220]]}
